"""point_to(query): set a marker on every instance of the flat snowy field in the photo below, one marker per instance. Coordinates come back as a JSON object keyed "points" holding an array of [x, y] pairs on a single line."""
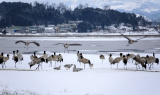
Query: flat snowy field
{"points": [[100, 80]]}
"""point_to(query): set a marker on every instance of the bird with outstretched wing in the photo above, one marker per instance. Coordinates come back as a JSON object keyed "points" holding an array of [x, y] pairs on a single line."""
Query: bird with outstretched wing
{"points": [[131, 41], [66, 45], [27, 43]]}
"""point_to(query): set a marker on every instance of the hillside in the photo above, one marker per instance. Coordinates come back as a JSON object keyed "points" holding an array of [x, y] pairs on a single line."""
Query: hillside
{"points": [[25, 14]]}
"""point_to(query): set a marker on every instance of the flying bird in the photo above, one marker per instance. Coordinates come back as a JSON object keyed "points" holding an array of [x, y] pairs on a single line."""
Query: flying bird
{"points": [[66, 45], [27, 43], [130, 41]]}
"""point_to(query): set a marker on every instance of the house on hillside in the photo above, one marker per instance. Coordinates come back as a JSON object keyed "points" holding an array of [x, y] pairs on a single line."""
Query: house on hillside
{"points": [[16, 29], [63, 28], [25, 29], [33, 29]]}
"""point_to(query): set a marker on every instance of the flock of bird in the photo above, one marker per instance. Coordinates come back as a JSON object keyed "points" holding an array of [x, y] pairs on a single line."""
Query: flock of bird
{"points": [[136, 59], [139, 61], [45, 58]]}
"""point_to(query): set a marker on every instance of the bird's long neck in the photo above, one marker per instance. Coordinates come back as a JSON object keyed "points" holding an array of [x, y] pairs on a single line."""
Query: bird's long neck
{"points": [[153, 55]]}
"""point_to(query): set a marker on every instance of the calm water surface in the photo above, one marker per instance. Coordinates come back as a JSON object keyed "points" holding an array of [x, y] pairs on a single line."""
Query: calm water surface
{"points": [[7, 45]]}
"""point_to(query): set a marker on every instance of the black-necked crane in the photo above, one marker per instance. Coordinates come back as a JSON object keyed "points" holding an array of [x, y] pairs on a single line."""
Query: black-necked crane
{"points": [[76, 69], [102, 57], [136, 63], [49, 59], [15, 58], [6, 59], [1, 60], [36, 61], [60, 58], [110, 59], [125, 60], [130, 56], [44, 56], [86, 61], [66, 45], [20, 57], [131, 41], [151, 59], [117, 60], [33, 56], [55, 58], [68, 66], [57, 68], [78, 56], [141, 61], [27, 43]]}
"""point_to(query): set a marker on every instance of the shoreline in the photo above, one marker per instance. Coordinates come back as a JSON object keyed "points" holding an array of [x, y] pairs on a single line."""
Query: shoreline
{"points": [[77, 35]]}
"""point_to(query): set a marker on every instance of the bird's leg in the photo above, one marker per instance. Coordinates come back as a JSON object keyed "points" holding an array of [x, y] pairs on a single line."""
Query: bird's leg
{"points": [[132, 61], [38, 67], [152, 65], [117, 65], [15, 64], [126, 67], [5, 65], [136, 68], [41, 66], [139, 67], [2, 65], [64, 50], [50, 64], [55, 63], [67, 50], [127, 44]]}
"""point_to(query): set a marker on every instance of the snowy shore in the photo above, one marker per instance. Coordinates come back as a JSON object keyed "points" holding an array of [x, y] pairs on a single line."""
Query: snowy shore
{"points": [[100, 80]]}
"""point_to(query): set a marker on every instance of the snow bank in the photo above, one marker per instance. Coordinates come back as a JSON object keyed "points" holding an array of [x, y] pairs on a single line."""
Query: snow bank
{"points": [[101, 80]]}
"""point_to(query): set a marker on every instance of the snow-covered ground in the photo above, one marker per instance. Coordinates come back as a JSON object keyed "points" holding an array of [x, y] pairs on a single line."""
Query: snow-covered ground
{"points": [[150, 32], [100, 80]]}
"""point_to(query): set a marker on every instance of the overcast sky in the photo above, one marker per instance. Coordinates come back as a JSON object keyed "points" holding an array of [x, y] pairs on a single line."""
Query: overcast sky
{"points": [[115, 4], [75, 1]]}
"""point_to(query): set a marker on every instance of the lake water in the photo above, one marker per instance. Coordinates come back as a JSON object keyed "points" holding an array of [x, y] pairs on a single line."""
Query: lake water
{"points": [[89, 45]]}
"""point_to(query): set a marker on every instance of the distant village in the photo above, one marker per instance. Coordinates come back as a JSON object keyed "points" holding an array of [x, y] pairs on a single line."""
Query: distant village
{"points": [[71, 27], [60, 28]]}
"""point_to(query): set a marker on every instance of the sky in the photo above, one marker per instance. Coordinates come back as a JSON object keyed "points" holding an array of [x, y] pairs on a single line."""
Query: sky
{"points": [[82, 1], [128, 5], [55, 1]]}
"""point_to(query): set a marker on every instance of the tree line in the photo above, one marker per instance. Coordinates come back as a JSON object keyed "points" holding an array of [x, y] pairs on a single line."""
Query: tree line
{"points": [[27, 14]]}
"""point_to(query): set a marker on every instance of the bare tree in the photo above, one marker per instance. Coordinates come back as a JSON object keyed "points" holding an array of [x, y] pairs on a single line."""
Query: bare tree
{"points": [[80, 6], [62, 7], [106, 7]]}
